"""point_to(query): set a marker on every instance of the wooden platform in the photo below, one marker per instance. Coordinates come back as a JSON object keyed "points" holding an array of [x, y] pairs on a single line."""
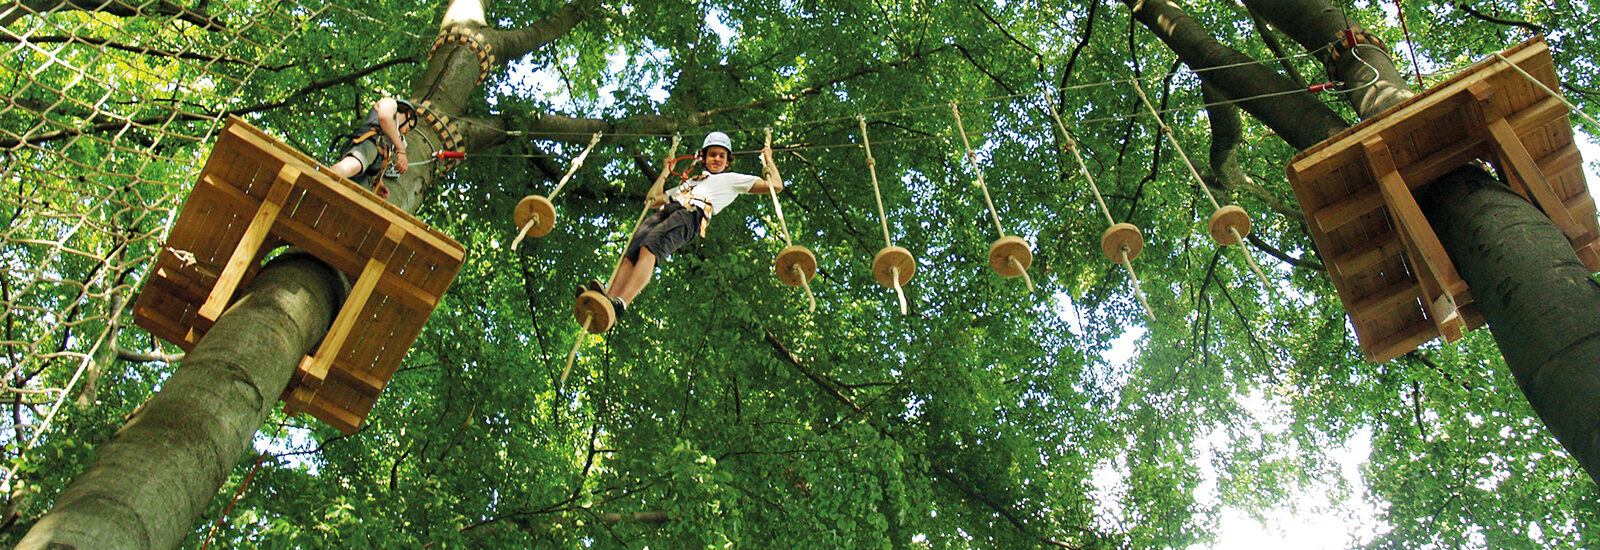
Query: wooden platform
{"points": [[1391, 273], [256, 194]]}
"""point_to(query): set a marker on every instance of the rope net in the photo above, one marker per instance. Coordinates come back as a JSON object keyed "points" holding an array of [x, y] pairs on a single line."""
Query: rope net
{"points": [[107, 117]]}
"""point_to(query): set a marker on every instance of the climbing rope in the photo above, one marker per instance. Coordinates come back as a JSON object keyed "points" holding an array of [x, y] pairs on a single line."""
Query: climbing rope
{"points": [[1122, 244], [1199, 182], [1011, 244], [794, 271], [544, 208], [894, 261], [572, 356]]}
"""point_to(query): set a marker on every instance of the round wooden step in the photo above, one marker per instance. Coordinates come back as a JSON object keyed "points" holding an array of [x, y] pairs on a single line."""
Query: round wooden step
{"points": [[1119, 236], [535, 206], [891, 257], [596, 308], [1010, 246], [795, 265], [1229, 216]]}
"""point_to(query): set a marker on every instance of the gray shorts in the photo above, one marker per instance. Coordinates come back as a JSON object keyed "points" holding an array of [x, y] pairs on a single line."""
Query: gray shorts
{"points": [[366, 152], [665, 231]]}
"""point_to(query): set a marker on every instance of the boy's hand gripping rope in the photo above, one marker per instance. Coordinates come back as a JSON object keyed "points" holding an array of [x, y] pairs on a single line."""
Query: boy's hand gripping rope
{"points": [[791, 255]]}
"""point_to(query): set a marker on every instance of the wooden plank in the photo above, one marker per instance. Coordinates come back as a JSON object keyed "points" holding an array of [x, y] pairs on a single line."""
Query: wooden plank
{"points": [[249, 245], [1435, 272], [1527, 172], [1374, 304], [1401, 343], [332, 414], [358, 379], [1338, 214], [1361, 259], [317, 370]]}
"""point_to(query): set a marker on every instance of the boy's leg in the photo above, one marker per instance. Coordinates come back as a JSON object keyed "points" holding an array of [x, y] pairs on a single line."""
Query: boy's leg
{"points": [[632, 279], [347, 167]]}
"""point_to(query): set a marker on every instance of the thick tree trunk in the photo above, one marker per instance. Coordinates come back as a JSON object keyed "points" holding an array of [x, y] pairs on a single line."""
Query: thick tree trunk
{"points": [[1537, 296], [153, 479], [1300, 118], [1369, 79]]}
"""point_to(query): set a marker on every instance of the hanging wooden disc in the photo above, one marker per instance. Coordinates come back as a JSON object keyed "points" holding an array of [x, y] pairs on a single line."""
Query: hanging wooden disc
{"points": [[889, 258], [1119, 236], [1229, 216], [597, 308], [1010, 246], [530, 206], [795, 256]]}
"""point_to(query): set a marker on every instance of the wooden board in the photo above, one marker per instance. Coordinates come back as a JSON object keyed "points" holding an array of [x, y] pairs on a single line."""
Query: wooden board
{"points": [[256, 194], [1376, 244]]}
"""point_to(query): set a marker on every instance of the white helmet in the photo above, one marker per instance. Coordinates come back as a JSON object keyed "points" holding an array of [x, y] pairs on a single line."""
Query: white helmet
{"points": [[718, 139]]}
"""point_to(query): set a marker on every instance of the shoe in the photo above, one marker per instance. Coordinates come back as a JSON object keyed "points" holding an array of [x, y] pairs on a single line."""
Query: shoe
{"points": [[593, 284], [618, 306]]}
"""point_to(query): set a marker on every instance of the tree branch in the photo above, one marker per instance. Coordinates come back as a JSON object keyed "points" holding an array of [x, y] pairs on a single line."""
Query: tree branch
{"points": [[1264, 246], [1524, 25], [143, 50]]}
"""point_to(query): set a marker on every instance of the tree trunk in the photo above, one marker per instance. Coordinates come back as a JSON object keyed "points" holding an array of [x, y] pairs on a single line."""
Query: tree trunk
{"points": [[153, 479], [1369, 78], [1537, 296]]}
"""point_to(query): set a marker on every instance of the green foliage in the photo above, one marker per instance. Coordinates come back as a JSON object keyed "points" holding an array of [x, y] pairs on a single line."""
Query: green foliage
{"points": [[987, 418]]}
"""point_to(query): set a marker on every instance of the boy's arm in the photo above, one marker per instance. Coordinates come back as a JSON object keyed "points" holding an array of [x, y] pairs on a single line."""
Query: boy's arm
{"points": [[771, 182], [386, 108]]}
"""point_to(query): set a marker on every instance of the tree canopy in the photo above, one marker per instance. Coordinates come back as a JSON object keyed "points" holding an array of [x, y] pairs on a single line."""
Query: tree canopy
{"points": [[720, 412]]}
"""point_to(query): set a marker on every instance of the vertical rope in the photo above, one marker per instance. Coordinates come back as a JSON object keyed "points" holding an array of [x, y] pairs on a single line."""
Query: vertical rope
{"points": [[1167, 131], [972, 159], [239, 493], [767, 168], [576, 164], [1412, 46], [1200, 182], [1138, 292], [572, 356], [1072, 144], [872, 167]]}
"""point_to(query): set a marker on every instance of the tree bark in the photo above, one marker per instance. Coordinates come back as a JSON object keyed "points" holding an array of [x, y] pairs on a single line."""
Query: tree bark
{"points": [[1536, 295], [1300, 118], [1369, 79], [153, 479]]}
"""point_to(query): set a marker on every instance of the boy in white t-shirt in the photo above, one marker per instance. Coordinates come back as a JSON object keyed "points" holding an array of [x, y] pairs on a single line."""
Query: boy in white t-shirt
{"points": [[685, 212]]}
